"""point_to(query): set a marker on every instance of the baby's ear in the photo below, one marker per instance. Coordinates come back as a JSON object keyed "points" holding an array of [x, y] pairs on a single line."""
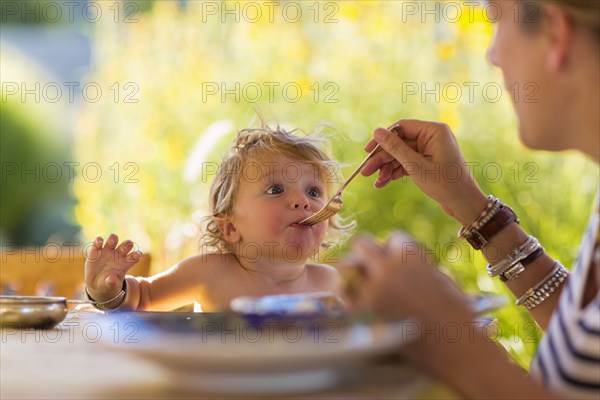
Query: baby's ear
{"points": [[229, 231]]}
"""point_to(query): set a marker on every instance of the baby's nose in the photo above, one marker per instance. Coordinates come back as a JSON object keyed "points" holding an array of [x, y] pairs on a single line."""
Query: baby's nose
{"points": [[300, 202]]}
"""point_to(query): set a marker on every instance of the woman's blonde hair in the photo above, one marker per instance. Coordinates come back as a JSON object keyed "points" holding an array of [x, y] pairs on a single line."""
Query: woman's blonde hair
{"points": [[585, 13], [250, 145]]}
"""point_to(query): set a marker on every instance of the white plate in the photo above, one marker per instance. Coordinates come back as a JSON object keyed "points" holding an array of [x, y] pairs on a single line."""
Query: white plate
{"points": [[228, 355], [262, 359], [255, 348]]}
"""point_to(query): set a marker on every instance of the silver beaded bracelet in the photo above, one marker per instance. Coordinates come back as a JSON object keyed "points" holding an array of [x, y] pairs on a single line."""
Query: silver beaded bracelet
{"points": [[104, 305], [537, 294], [491, 209], [524, 250]]}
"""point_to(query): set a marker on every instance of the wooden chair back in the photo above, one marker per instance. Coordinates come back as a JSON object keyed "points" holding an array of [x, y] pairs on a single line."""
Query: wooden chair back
{"points": [[47, 271]]}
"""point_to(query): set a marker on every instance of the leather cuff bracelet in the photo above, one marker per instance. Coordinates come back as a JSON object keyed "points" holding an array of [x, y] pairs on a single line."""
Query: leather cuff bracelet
{"points": [[488, 225], [517, 269]]}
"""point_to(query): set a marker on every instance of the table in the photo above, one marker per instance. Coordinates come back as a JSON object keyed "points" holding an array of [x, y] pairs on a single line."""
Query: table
{"points": [[71, 362]]}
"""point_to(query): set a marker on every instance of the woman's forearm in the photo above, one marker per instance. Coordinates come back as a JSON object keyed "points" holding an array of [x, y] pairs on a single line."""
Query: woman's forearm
{"points": [[473, 365], [500, 246]]}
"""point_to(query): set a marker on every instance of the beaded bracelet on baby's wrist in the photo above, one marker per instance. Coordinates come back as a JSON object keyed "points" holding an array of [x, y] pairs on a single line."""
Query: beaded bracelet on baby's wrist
{"points": [[110, 304]]}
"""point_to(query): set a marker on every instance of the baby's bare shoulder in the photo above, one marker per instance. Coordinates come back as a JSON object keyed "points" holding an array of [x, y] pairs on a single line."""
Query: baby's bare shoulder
{"points": [[323, 277], [321, 269], [323, 274], [207, 264]]}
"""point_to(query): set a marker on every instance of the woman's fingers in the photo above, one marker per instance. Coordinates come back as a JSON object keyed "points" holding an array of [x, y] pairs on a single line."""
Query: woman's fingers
{"points": [[389, 172], [371, 145], [376, 162], [397, 242], [412, 129], [371, 256], [385, 173], [396, 147], [398, 173], [353, 279], [386, 157]]}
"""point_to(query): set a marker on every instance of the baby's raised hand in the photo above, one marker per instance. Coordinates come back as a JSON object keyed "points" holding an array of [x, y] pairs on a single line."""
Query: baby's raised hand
{"points": [[106, 266]]}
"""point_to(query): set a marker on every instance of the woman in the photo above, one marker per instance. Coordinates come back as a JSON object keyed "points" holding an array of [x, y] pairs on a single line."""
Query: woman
{"points": [[556, 45]]}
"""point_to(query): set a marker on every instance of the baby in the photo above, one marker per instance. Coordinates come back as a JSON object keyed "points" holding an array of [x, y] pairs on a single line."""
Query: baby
{"points": [[268, 182]]}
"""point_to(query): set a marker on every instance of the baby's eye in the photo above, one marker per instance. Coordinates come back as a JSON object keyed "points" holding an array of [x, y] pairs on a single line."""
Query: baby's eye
{"points": [[314, 192], [275, 189]]}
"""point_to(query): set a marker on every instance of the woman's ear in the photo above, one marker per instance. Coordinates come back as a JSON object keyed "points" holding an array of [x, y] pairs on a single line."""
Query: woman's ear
{"points": [[559, 29], [229, 231]]}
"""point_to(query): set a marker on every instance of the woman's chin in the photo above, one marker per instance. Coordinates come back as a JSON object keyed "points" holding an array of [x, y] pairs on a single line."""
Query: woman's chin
{"points": [[532, 140], [534, 136]]}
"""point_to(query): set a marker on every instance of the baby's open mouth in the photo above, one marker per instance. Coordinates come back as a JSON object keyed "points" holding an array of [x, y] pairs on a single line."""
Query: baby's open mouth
{"points": [[297, 225]]}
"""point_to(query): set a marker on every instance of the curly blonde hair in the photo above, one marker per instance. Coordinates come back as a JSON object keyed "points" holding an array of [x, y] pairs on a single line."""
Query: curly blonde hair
{"points": [[250, 144]]}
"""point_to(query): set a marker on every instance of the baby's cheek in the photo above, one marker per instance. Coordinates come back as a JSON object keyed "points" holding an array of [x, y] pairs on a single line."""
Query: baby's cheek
{"points": [[273, 226], [321, 230]]}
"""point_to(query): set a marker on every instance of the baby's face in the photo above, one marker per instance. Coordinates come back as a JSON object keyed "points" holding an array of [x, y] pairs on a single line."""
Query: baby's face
{"points": [[276, 193]]}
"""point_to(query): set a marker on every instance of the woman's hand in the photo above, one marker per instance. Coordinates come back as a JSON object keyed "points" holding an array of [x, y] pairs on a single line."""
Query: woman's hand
{"points": [[106, 266], [427, 152], [399, 280]]}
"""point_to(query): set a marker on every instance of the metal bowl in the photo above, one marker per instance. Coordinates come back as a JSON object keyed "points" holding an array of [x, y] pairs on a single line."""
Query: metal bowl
{"points": [[37, 312]]}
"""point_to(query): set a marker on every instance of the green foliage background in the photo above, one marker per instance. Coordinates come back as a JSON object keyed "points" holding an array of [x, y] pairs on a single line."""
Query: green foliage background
{"points": [[36, 203], [360, 56]]}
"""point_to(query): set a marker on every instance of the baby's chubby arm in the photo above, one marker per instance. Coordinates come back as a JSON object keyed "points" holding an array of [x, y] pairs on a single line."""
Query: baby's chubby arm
{"points": [[180, 285]]}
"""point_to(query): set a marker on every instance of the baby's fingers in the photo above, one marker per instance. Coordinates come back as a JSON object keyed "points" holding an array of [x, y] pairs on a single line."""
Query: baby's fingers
{"points": [[96, 249], [133, 257], [125, 247], [112, 241], [98, 242]]}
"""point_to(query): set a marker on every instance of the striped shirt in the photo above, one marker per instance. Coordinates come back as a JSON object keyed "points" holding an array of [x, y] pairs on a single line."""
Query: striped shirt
{"points": [[568, 357]]}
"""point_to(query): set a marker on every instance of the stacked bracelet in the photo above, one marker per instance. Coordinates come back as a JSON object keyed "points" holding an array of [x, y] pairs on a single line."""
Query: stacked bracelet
{"points": [[537, 294], [511, 267], [492, 220], [112, 303], [515, 270], [491, 208]]}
